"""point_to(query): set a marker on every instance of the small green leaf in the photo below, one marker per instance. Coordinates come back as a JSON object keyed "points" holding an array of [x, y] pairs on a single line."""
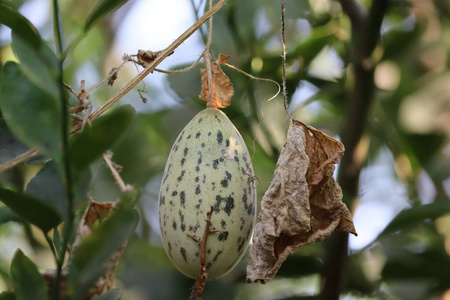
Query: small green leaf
{"points": [[10, 146], [7, 296], [88, 262], [39, 65], [32, 115], [416, 215], [48, 186], [31, 209], [103, 7], [20, 25], [28, 282], [93, 141], [143, 150]]}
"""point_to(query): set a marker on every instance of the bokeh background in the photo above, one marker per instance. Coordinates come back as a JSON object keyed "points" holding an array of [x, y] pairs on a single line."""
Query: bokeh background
{"points": [[402, 214]]}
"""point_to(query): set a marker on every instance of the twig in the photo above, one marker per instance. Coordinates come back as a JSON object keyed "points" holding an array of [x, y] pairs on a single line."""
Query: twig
{"points": [[283, 57], [367, 37], [65, 152], [354, 11], [113, 168], [151, 67], [199, 286]]}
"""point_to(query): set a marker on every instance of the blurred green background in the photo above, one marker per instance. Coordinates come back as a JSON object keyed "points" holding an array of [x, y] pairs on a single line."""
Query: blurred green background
{"points": [[402, 214]]}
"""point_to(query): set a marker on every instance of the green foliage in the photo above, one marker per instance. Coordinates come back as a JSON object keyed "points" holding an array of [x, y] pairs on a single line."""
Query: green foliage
{"points": [[103, 7], [31, 114], [28, 282], [94, 140], [32, 209]]}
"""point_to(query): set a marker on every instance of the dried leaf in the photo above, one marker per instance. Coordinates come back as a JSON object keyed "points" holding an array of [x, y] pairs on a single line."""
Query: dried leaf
{"points": [[144, 58], [302, 204], [222, 89], [113, 75]]}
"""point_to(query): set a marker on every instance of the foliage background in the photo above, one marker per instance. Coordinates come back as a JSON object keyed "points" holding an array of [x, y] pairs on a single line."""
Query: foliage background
{"points": [[402, 212]]}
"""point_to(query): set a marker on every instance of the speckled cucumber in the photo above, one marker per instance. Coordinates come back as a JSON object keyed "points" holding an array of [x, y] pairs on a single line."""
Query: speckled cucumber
{"points": [[209, 165]]}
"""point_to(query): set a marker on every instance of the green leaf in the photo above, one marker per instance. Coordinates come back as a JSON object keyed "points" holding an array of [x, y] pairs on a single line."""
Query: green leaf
{"points": [[89, 259], [31, 209], [103, 7], [143, 151], [28, 282], [32, 115], [47, 186], [417, 214], [10, 146], [93, 141], [6, 215], [39, 65], [19, 25], [7, 296]]}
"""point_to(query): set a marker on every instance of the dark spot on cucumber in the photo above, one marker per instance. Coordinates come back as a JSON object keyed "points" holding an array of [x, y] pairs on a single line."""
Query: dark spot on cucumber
{"points": [[223, 236], [219, 137], [215, 163], [182, 198], [217, 255], [183, 253], [224, 183]]}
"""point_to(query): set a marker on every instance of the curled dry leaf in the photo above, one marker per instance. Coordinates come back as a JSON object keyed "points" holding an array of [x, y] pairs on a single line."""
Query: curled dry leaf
{"points": [[222, 89], [303, 203], [146, 57]]}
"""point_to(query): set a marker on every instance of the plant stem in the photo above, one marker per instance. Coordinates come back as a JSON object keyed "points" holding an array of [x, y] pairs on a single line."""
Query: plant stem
{"points": [[52, 247], [283, 56], [57, 28], [65, 152], [366, 37]]}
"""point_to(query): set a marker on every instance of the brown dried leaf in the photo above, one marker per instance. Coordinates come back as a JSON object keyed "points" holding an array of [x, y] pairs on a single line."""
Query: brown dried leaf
{"points": [[302, 204], [222, 89]]}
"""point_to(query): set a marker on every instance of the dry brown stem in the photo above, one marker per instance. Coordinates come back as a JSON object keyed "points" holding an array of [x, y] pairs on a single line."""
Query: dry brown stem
{"points": [[199, 286]]}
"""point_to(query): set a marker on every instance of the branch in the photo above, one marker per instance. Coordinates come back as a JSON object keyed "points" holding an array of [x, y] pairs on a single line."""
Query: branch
{"points": [[354, 11], [367, 37], [150, 68]]}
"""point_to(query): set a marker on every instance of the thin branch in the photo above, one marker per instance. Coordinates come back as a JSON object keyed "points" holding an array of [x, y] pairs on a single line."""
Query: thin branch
{"points": [[283, 56], [199, 286], [354, 11], [65, 152], [113, 168], [366, 38], [150, 68]]}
